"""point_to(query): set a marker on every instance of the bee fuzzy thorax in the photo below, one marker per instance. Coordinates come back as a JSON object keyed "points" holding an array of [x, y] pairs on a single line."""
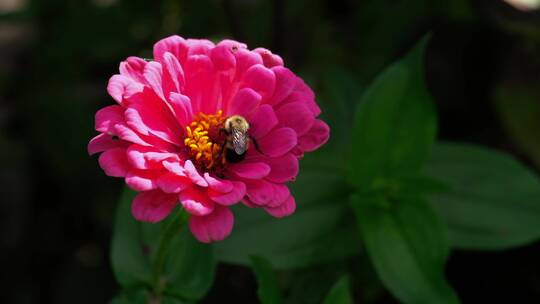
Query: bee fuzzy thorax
{"points": [[237, 141]]}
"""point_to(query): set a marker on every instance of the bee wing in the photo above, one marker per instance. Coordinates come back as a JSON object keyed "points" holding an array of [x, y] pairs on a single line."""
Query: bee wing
{"points": [[239, 140]]}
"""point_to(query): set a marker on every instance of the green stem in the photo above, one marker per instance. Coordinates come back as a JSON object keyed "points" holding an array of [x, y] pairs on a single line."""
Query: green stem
{"points": [[171, 230]]}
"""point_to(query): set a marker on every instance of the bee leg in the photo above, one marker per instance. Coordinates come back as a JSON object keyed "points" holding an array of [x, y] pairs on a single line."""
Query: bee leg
{"points": [[256, 145], [223, 131]]}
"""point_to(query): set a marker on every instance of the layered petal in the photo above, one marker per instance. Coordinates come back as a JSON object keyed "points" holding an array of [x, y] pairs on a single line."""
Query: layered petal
{"points": [[114, 162], [262, 120], [228, 198], [252, 170], [104, 142], [285, 209], [213, 227], [278, 142], [142, 180], [315, 137], [172, 183], [296, 116], [283, 169], [196, 201], [153, 206]]}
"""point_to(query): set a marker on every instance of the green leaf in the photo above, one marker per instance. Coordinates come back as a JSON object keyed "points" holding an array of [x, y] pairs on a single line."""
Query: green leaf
{"points": [[407, 244], [340, 293], [163, 257], [395, 124], [190, 267], [494, 202], [130, 265], [318, 231], [268, 290]]}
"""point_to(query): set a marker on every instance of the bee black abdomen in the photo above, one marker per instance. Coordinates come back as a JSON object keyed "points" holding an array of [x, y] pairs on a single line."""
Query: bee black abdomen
{"points": [[233, 157]]}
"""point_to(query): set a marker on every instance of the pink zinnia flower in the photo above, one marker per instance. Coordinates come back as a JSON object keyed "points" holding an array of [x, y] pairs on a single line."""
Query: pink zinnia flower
{"points": [[165, 136]]}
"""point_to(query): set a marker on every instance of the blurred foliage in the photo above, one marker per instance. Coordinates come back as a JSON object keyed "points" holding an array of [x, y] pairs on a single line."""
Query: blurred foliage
{"points": [[163, 258], [340, 293], [492, 202], [481, 72]]}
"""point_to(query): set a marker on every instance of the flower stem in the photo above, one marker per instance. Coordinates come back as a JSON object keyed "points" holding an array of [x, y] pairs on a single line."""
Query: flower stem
{"points": [[172, 230]]}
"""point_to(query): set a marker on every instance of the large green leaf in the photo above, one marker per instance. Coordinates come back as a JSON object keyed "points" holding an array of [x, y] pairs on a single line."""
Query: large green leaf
{"points": [[407, 244], [190, 268], [395, 125], [319, 230], [493, 202], [163, 257], [131, 265], [340, 293], [268, 289]]}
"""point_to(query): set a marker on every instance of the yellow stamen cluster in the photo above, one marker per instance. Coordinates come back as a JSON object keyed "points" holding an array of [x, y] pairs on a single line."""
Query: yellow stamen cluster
{"points": [[199, 139]]}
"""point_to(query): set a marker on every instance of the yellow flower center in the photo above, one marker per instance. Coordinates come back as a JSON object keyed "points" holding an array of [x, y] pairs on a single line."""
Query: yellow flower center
{"points": [[205, 140]]}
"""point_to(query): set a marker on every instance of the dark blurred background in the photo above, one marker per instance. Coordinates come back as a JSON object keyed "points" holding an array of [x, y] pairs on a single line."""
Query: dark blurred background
{"points": [[56, 56]]}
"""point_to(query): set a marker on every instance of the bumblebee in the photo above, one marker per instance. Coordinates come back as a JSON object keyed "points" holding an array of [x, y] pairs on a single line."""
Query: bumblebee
{"points": [[237, 138]]}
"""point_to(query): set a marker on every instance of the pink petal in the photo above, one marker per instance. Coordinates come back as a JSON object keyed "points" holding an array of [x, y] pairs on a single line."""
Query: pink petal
{"points": [[277, 142], [151, 117], [172, 183], [202, 85], [114, 162], [284, 168], [281, 193], [315, 137], [175, 45], [199, 46], [230, 198], [194, 175], [248, 203], [153, 206], [107, 117], [260, 79], [244, 60], [255, 170], [269, 59], [133, 68], [223, 57], [196, 201], [285, 83], [181, 105], [261, 121], [232, 44], [295, 116], [143, 157], [218, 184], [153, 74], [244, 102], [304, 92], [260, 192], [117, 87], [126, 133], [285, 209], [213, 227], [104, 142], [173, 74], [141, 180], [174, 167]]}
